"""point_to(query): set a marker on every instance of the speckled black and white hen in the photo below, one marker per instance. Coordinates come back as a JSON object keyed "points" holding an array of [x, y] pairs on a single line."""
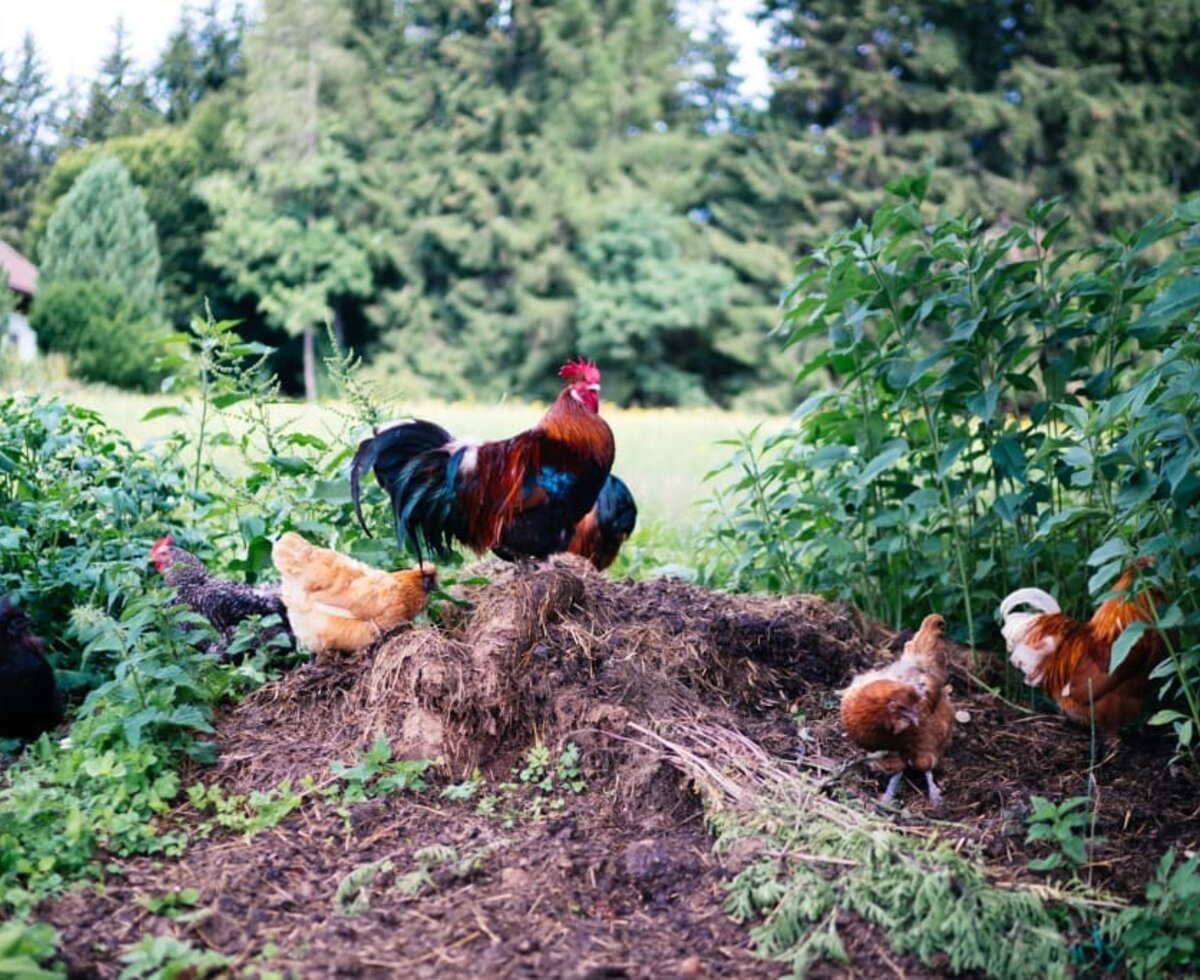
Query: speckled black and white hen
{"points": [[223, 603]]}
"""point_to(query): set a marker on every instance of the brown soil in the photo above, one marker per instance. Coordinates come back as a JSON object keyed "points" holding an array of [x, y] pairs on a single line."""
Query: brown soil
{"points": [[618, 881]]}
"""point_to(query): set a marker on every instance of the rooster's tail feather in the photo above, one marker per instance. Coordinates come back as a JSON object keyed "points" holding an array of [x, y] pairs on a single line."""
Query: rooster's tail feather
{"points": [[1043, 602], [388, 452]]}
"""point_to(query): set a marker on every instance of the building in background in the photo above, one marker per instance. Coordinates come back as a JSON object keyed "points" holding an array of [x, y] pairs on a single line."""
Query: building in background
{"points": [[15, 330]]}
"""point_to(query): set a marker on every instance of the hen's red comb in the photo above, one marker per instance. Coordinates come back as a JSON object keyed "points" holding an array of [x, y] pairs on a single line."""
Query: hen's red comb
{"points": [[580, 370], [162, 544]]}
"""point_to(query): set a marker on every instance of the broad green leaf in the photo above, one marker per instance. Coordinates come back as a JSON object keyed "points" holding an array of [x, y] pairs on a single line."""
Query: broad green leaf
{"points": [[891, 454], [1115, 548], [162, 411], [1124, 643]]}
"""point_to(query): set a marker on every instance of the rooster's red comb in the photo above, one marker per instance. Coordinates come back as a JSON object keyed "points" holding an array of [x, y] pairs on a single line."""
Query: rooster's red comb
{"points": [[580, 370], [162, 544]]}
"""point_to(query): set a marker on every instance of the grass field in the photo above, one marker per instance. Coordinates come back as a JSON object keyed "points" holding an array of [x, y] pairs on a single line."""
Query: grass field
{"points": [[663, 454]]}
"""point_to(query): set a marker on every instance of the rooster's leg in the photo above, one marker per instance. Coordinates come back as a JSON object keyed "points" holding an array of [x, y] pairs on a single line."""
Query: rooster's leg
{"points": [[891, 787], [935, 794]]}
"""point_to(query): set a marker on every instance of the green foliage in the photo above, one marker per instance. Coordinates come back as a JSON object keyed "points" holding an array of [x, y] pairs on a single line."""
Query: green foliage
{"points": [[174, 904], [649, 315], [1065, 825], [100, 232], [542, 772], [466, 790], [27, 113], [167, 958], [165, 163], [243, 814], [79, 509], [109, 781], [118, 100], [930, 901], [1015, 102], [1008, 412], [24, 947], [378, 774], [1160, 937], [106, 337], [440, 863]]}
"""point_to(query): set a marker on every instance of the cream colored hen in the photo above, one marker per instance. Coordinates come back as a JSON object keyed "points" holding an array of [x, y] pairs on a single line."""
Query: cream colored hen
{"points": [[337, 603]]}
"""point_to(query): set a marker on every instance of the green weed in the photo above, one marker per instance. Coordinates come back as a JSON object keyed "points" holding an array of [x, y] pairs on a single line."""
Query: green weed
{"points": [[1003, 412], [1066, 826], [378, 774]]}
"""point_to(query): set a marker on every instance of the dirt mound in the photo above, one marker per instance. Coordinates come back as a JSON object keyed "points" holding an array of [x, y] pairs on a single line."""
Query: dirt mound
{"points": [[619, 880], [551, 652]]}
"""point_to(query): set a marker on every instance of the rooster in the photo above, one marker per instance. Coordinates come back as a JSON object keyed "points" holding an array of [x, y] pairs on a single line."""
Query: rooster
{"points": [[223, 603], [904, 709], [1071, 660], [338, 603], [603, 529], [520, 497], [29, 700]]}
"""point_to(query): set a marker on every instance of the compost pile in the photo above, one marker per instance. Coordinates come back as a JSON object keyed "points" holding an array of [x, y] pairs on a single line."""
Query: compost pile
{"points": [[617, 880]]}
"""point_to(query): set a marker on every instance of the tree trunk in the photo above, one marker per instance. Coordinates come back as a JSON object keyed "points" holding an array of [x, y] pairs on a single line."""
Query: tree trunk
{"points": [[310, 364]]}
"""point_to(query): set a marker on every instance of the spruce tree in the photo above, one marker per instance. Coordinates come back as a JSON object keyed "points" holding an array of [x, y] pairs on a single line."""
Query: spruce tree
{"points": [[27, 120], [1095, 101], [507, 135], [98, 296], [100, 232], [118, 101]]}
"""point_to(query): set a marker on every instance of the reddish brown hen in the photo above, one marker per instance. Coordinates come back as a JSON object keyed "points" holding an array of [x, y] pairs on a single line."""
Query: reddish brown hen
{"points": [[904, 709]]}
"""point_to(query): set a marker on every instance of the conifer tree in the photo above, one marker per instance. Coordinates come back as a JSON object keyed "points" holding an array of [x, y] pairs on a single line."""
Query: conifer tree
{"points": [[27, 120], [98, 296], [100, 232], [282, 232], [118, 101]]}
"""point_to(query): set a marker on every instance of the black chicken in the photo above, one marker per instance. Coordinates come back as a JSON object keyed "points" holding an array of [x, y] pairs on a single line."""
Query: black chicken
{"points": [[223, 603], [29, 700], [603, 529]]}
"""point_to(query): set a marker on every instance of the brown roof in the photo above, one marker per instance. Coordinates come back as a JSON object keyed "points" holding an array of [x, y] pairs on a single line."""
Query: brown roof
{"points": [[22, 274]]}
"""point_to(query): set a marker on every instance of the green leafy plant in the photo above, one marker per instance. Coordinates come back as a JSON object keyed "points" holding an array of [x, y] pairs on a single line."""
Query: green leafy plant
{"points": [[1003, 411], [567, 770], [24, 948], [167, 958], [465, 790], [179, 903], [1065, 825], [354, 892], [536, 771], [1162, 937], [243, 814], [378, 774]]}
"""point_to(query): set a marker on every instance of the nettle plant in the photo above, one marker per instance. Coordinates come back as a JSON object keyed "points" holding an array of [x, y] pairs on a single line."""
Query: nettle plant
{"points": [[1003, 411], [79, 509]]}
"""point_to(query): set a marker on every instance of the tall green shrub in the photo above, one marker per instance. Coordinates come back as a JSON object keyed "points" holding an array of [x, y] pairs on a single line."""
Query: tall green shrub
{"points": [[107, 338], [1006, 412], [100, 300], [100, 231]]}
